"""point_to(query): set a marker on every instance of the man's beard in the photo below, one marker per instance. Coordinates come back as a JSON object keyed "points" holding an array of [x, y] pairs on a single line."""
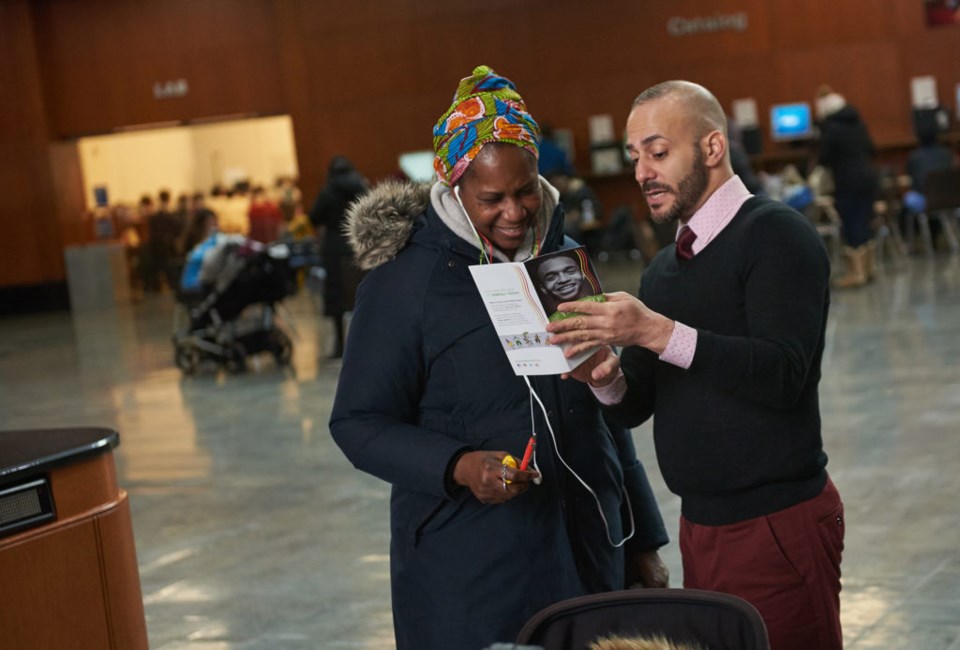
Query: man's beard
{"points": [[688, 192]]}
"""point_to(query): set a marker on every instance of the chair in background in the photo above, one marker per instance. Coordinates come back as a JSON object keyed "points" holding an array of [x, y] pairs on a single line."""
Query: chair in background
{"points": [[826, 219], [618, 238], [887, 236], [712, 619], [942, 193], [889, 241]]}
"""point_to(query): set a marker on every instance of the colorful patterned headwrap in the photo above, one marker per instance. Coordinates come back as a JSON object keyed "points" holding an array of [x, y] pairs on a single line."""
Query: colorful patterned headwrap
{"points": [[486, 108]]}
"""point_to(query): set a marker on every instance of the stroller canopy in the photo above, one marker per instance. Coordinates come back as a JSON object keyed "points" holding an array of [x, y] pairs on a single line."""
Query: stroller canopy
{"points": [[716, 621]]}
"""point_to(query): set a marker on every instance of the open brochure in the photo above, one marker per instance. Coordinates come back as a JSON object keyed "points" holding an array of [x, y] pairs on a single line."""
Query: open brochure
{"points": [[522, 297]]}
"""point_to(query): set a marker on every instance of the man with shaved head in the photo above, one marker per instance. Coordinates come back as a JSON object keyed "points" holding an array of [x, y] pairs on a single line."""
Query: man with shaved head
{"points": [[722, 347]]}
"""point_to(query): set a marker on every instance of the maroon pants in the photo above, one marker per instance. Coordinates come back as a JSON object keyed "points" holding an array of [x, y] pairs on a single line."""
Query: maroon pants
{"points": [[786, 564]]}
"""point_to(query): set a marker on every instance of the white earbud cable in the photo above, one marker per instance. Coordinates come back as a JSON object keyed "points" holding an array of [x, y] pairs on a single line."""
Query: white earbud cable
{"points": [[596, 499]]}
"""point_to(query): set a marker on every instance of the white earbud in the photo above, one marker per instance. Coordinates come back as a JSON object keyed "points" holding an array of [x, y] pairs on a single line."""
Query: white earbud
{"points": [[456, 195]]}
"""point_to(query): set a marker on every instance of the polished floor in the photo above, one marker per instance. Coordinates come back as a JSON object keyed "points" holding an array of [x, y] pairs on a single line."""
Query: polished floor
{"points": [[253, 532]]}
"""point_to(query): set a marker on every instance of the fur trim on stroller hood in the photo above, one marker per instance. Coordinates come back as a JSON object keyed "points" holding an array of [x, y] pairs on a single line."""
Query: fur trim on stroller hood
{"points": [[379, 223]]}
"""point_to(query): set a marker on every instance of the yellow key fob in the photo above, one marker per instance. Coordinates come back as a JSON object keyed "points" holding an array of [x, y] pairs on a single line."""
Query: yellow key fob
{"points": [[509, 461]]}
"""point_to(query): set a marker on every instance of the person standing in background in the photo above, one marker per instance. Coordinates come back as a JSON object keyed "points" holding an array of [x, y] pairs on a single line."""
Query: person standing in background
{"points": [[553, 158], [266, 220], [233, 210], [163, 230], [288, 198], [847, 150], [344, 185], [195, 228]]}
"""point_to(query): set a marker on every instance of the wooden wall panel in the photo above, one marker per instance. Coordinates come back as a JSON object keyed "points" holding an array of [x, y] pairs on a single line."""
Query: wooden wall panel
{"points": [[358, 15], [368, 78], [30, 244], [658, 49], [805, 24], [937, 54], [863, 73], [102, 59], [334, 86], [908, 17], [68, 194]]}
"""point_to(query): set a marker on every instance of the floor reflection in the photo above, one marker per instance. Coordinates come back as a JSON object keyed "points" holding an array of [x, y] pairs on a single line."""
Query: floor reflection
{"points": [[253, 531]]}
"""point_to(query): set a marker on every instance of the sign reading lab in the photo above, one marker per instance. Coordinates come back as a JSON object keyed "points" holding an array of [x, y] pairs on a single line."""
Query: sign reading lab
{"points": [[170, 89], [680, 26]]}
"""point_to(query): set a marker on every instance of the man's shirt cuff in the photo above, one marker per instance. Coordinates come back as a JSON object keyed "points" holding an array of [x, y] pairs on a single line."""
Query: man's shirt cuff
{"points": [[681, 346], [613, 392]]}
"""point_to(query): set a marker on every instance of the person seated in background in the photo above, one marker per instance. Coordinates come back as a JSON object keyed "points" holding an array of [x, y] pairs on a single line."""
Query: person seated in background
{"points": [[298, 228], [740, 159], [553, 158], [216, 260], [196, 224], [795, 190], [233, 210], [206, 232], [288, 197], [582, 213], [929, 156]]}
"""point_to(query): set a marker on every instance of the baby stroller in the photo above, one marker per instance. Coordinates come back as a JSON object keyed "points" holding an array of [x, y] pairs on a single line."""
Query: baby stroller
{"points": [[237, 316], [713, 620]]}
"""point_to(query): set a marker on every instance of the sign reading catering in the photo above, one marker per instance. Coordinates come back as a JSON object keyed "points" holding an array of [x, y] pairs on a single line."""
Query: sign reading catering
{"points": [[680, 26]]}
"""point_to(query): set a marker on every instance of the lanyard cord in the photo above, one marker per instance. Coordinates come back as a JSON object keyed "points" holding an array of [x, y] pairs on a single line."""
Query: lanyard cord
{"points": [[533, 395], [483, 240], [536, 237]]}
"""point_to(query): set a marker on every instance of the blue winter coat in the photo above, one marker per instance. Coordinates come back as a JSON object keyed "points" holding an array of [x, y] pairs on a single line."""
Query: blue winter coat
{"points": [[424, 378]]}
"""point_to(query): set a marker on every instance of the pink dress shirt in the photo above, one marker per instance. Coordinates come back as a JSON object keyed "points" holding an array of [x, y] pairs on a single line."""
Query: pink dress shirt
{"points": [[707, 222]]}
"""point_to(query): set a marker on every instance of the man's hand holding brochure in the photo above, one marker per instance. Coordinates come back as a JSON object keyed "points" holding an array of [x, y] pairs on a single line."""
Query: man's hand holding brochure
{"points": [[522, 297]]}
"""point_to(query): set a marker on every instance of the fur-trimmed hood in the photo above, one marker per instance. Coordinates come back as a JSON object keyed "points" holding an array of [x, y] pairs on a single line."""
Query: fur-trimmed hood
{"points": [[378, 224]]}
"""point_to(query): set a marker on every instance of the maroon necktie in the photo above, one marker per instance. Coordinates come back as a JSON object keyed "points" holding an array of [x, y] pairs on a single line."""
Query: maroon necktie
{"points": [[685, 243]]}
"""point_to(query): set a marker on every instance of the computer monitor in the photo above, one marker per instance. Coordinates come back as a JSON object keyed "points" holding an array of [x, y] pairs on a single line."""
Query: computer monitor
{"points": [[418, 165], [791, 122], [100, 196]]}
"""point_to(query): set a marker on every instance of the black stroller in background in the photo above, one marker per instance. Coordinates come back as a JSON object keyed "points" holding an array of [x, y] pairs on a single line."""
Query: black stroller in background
{"points": [[237, 316]]}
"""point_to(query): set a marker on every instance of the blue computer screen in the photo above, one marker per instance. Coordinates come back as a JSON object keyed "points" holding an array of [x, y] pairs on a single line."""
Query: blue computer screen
{"points": [[791, 121]]}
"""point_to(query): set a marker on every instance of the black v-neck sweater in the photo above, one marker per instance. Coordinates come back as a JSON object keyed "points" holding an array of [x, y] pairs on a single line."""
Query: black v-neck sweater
{"points": [[738, 433]]}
